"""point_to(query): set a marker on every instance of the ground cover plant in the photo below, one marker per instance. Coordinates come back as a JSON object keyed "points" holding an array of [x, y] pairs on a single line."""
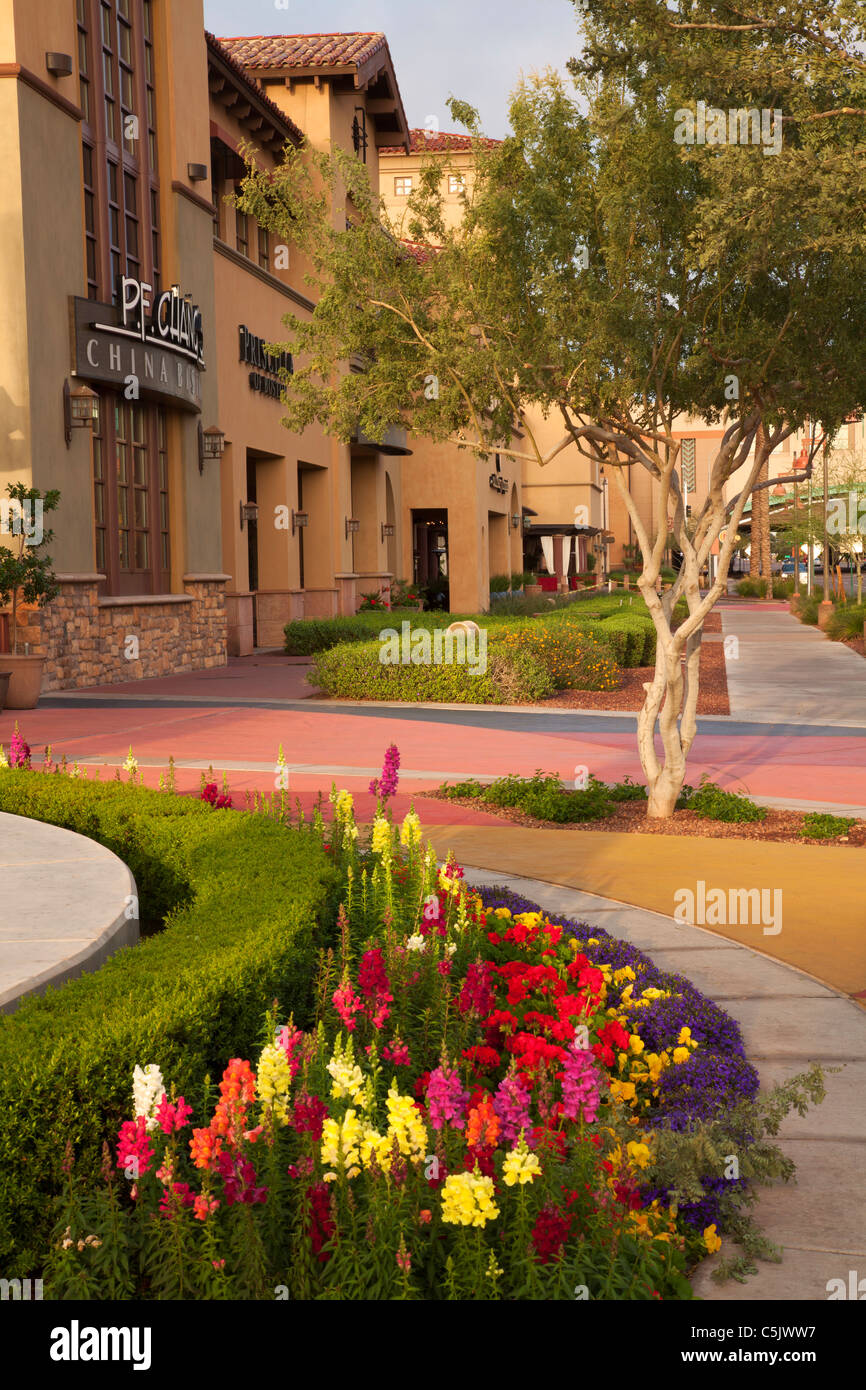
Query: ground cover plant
{"points": [[476, 1102]]}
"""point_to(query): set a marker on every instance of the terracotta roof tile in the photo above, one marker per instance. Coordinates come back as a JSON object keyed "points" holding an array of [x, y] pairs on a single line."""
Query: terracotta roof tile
{"points": [[437, 142], [305, 50], [280, 118]]}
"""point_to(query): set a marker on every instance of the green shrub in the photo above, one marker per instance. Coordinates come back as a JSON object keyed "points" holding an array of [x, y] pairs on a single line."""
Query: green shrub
{"points": [[574, 658], [542, 796], [500, 583], [247, 901], [846, 621], [356, 672], [754, 588], [309, 635], [817, 825], [627, 790], [640, 634], [711, 803], [807, 610]]}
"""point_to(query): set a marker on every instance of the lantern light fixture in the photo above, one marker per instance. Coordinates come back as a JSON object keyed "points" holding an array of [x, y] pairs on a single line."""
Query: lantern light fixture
{"points": [[249, 512], [388, 530], [300, 520], [80, 408]]}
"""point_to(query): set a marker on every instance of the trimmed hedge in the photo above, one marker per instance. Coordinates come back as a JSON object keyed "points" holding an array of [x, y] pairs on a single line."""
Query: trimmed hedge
{"points": [[641, 637], [249, 905], [356, 673], [574, 657]]}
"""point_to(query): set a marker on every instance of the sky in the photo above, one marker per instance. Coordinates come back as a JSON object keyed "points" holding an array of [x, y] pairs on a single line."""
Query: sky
{"points": [[472, 49]]}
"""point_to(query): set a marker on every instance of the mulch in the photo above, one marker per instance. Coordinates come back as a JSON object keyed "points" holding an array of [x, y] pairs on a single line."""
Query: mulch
{"points": [[712, 695], [630, 817]]}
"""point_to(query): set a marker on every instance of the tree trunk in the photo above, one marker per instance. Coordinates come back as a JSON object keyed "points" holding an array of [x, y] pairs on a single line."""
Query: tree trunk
{"points": [[760, 561]]}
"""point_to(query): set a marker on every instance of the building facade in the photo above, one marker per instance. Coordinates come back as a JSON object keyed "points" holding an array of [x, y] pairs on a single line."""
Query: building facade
{"points": [[106, 282]]}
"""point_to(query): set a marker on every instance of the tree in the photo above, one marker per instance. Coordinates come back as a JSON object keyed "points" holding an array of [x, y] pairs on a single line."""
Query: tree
{"points": [[593, 276]]}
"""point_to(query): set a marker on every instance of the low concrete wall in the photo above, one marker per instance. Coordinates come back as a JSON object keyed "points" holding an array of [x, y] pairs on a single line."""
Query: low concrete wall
{"points": [[66, 905]]}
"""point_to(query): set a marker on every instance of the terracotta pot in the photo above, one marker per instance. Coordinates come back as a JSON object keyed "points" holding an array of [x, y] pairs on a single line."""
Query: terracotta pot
{"points": [[26, 679], [532, 590]]}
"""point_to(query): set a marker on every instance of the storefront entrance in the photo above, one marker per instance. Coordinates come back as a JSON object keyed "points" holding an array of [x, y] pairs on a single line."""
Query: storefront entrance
{"points": [[430, 554]]}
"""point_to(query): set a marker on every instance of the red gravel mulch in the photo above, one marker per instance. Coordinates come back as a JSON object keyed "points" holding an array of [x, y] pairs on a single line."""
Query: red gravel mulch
{"points": [[712, 695], [630, 817]]}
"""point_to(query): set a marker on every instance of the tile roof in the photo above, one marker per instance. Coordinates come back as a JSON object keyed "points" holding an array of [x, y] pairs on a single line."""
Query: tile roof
{"points": [[420, 251], [305, 50], [438, 142], [281, 120]]}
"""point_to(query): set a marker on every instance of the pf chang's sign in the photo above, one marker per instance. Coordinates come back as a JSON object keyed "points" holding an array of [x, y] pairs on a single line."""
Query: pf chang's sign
{"points": [[146, 346]]}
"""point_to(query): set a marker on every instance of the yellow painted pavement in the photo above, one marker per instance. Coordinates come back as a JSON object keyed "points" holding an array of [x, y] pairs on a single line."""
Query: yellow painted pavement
{"points": [[823, 887]]}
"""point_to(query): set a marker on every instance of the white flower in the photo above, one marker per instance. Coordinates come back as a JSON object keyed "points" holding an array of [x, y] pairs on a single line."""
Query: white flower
{"points": [[4, 761], [131, 764], [451, 948], [416, 943], [147, 1092]]}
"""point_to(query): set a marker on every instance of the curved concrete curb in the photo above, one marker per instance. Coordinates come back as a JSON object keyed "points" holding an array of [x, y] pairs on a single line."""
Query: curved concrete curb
{"points": [[788, 1020], [63, 909]]}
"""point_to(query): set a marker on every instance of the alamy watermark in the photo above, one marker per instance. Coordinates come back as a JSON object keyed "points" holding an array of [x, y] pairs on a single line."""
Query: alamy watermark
{"points": [[847, 517], [22, 519], [462, 644], [718, 907], [708, 125]]}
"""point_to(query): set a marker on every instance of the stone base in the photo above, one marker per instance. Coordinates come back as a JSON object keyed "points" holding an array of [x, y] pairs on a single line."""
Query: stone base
{"points": [[89, 640]]}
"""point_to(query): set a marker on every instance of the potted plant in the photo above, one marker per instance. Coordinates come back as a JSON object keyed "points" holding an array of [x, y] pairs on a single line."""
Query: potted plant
{"points": [[531, 585], [26, 576]]}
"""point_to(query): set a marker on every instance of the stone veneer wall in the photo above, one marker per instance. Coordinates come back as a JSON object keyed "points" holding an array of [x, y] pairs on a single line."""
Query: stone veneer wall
{"points": [[85, 637]]}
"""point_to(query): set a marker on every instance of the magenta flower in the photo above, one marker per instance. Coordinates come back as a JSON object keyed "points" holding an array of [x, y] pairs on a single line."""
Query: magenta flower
{"points": [[446, 1099], [511, 1104], [19, 751], [581, 1085], [290, 1042], [134, 1149], [386, 785], [172, 1117]]}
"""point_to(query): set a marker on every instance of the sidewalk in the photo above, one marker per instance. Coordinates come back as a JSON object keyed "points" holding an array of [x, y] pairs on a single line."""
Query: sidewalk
{"points": [[786, 672], [788, 1022]]}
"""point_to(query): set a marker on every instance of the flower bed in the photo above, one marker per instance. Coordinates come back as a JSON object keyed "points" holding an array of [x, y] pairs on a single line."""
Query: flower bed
{"points": [[477, 1102]]}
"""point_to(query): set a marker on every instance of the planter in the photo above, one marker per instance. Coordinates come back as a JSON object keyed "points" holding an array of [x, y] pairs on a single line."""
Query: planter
{"points": [[25, 681], [549, 584], [532, 590]]}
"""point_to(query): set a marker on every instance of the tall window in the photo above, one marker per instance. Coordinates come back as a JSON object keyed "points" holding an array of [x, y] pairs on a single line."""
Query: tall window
{"points": [[242, 225], [403, 186], [117, 92], [130, 496], [264, 248]]}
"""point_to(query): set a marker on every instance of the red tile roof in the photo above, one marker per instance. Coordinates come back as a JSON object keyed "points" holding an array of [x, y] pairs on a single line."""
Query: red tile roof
{"points": [[305, 50], [281, 120], [420, 251], [424, 141]]}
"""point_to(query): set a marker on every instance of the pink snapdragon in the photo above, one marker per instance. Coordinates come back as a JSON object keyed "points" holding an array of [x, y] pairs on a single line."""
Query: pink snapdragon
{"points": [[581, 1085], [134, 1149], [19, 750], [386, 785], [172, 1117], [511, 1104], [477, 992], [347, 1003], [446, 1099], [290, 1040]]}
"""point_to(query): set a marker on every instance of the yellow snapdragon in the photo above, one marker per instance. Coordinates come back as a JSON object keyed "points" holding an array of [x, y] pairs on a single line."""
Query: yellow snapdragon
{"points": [[340, 1145], [521, 1165], [467, 1200], [274, 1080]]}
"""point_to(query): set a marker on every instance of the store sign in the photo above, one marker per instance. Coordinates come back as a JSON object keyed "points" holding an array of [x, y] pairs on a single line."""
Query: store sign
{"points": [[255, 354], [498, 482], [145, 347]]}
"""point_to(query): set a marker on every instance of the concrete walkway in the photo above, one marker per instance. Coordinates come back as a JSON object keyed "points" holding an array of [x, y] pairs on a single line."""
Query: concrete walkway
{"points": [[789, 1020], [787, 672], [63, 908]]}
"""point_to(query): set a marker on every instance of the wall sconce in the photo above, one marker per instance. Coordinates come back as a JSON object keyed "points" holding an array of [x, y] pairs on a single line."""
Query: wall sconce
{"points": [[249, 512], [59, 64], [351, 526], [197, 173], [80, 409], [388, 529], [211, 443], [300, 520], [515, 520]]}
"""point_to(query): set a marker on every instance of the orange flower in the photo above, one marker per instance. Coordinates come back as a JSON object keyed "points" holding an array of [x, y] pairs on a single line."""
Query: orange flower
{"points": [[204, 1147], [425, 1217], [482, 1126]]}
